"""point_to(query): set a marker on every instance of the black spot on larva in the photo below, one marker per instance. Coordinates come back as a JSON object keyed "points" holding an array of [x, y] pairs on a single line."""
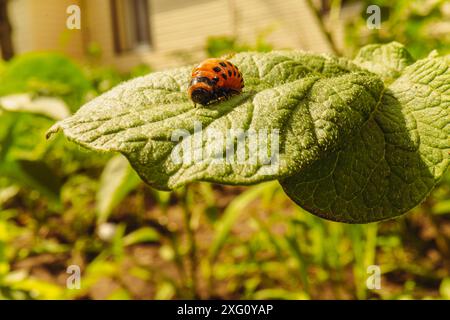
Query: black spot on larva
{"points": [[229, 63], [216, 69], [222, 64], [224, 76], [239, 75], [229, 73], [234, 73]]}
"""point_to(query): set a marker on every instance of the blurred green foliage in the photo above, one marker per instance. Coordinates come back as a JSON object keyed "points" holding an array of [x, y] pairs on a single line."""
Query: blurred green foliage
{"points": [[46, 74], [2, 67], [421, 25], [217, 46]]}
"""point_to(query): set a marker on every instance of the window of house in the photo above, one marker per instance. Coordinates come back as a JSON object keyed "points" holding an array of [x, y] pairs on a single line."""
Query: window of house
{"points": [[131, 25]]}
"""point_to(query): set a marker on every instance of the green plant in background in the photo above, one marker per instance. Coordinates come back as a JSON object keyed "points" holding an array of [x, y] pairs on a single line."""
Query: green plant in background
{"points": [[31, 85], [36, 174], [2, 67], [35, 90], [139, 70], [21, 156], [217, 46], [220, 45], [422, 25], [103, 78], [116, 181], [362, 181]]}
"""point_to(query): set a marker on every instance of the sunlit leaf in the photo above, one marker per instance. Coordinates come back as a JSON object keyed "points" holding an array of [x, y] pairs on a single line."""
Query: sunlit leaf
{"points": [[354, 146]]}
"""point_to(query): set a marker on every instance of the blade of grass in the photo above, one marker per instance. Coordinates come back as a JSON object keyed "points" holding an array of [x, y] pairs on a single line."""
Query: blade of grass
{"points": [[231, 214]]}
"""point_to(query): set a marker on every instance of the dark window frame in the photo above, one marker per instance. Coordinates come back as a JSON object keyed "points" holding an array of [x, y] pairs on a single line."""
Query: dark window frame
{"points": [[136, 21]]}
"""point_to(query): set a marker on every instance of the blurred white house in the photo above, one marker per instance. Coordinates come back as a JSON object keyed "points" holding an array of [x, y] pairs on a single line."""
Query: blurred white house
{"points": [[131, 32]]}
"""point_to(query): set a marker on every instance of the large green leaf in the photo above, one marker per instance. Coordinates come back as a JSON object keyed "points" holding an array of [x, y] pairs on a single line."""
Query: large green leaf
{"points": [[386, 60], [354, 145], [315, 102], [394, 161]]}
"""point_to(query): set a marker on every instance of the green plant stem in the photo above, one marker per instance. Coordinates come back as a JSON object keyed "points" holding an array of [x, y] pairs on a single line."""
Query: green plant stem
{"points": [[441, 242], [177, 257], [174, 243], [173, 240], [192, 245]]}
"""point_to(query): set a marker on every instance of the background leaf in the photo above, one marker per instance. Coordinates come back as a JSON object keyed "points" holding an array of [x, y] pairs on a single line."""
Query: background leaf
{"points": [[230, 216], [52, 107], [314, 101], [117, 180], [33, 174], [141, 235]]}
